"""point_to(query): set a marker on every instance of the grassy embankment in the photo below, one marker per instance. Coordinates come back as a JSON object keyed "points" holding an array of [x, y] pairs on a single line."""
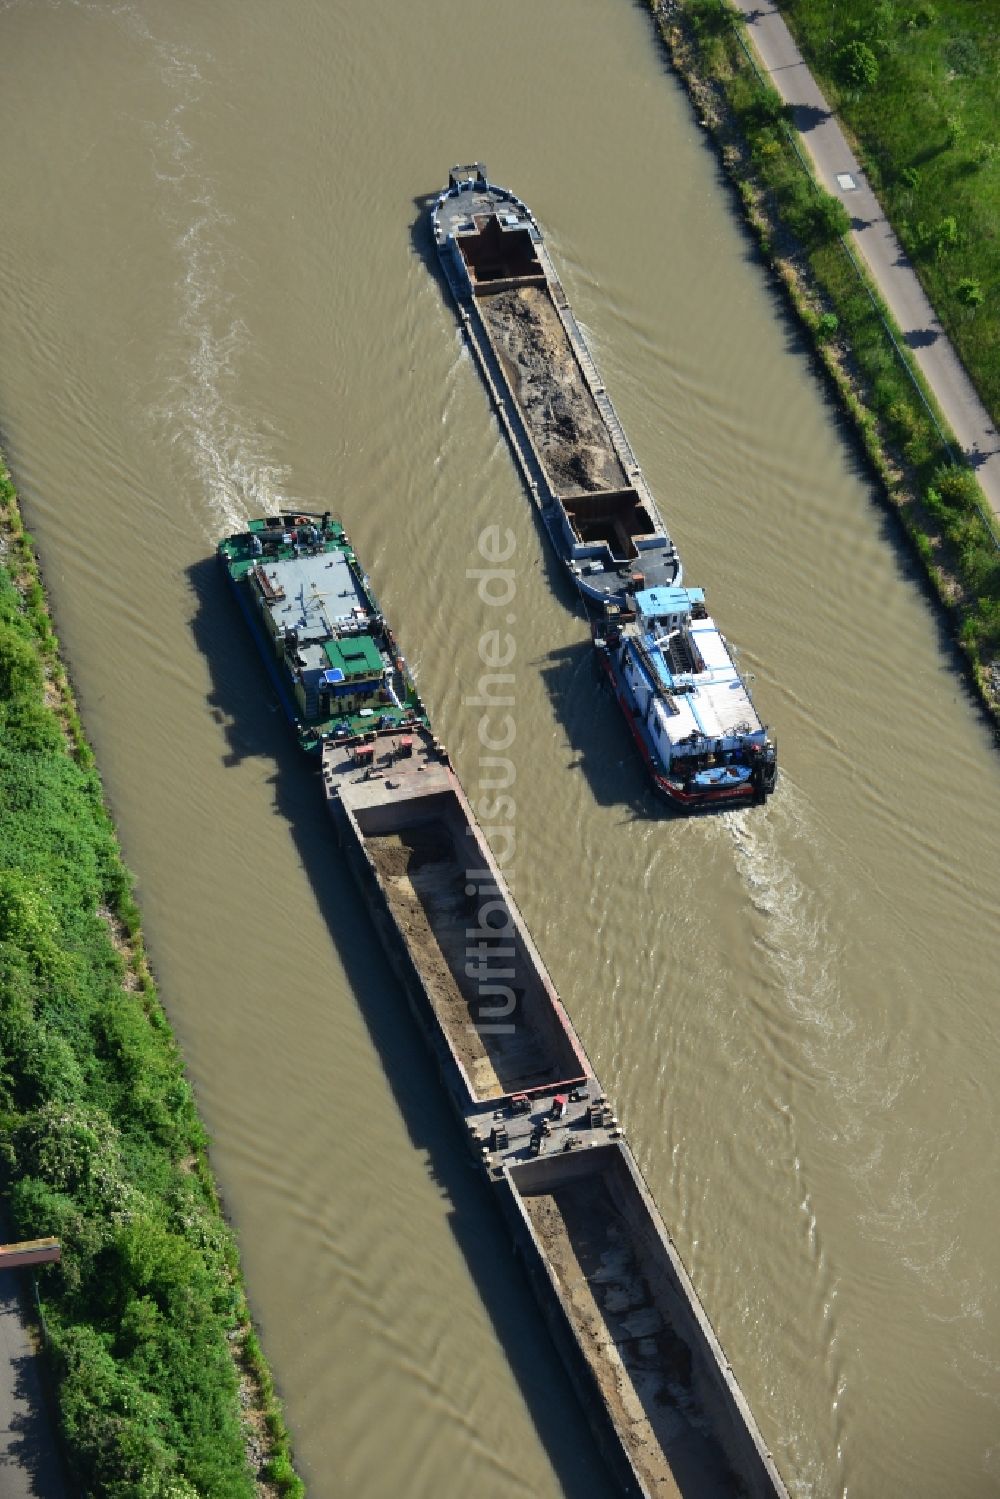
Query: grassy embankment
{"points": [[800, 230], [918, 84], [160, 1385]]}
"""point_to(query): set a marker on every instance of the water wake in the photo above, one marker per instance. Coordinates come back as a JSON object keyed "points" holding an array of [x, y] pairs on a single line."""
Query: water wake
{"points": [[792, 931], [195, 407], [804, 963]]}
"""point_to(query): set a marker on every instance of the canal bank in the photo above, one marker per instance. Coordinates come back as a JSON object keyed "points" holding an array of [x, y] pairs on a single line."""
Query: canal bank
{"points": [[155, 1368], [801, 229]]}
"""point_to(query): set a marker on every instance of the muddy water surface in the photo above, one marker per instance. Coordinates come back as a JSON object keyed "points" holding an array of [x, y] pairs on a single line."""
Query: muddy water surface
{"points": [[216, 297]]}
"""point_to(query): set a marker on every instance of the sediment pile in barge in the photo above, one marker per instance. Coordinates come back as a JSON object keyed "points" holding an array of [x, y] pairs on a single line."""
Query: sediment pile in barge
{"points": [[564, 431], [696, 728], [666, 1409]]}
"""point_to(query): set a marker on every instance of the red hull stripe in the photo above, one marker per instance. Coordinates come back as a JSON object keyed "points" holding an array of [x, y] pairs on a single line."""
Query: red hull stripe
{"points": [[673, 793]]}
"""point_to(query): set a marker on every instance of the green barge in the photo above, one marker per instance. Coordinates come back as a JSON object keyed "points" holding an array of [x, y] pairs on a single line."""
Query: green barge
{"points": [[331, 656]]}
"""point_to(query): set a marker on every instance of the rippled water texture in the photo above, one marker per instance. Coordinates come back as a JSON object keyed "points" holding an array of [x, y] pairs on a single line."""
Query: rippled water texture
{"points": [[215, 296]]}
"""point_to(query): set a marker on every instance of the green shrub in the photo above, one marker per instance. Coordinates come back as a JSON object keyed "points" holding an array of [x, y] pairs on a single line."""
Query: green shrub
{"points": [[113, 1425], [154, 1263], [710, 18], [882, 23], [885, 392], [766, 108], [20, 670], [969, 292], [954, 129], [857, 66], [937, 239], [936, 505], [981, 565], [988, 625], [28, 923], [963, 56], [956, 485], [74, 1150], [816, 216], [280, 1471], [40, 1066], [39, 1211]]}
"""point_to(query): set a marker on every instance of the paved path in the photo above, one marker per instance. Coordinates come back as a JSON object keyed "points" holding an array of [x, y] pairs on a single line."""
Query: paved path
{"points": [[28, 1466], [838, 171]]}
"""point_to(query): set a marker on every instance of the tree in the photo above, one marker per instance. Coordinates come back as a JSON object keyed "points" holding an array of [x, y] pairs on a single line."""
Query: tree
{"points": [[828, 218], [768, 108], [858, 66]]}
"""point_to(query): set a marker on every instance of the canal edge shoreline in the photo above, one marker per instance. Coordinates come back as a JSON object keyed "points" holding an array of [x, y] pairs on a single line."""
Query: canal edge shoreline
{"points": [[783, 254], [267, 1441]]}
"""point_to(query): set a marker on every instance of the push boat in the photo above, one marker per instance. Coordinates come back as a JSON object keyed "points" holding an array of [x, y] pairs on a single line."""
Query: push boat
{"points": [[644, 1359], [693, 721], [684, 700]]}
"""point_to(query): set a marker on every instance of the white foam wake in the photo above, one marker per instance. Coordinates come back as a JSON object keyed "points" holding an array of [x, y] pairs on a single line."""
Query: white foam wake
{"points": [[195, 406], [793, 931]]}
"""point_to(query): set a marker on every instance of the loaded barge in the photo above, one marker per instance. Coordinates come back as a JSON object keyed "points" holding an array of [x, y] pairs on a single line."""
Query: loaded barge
{"points": [[593, 498], [645, 1361]]}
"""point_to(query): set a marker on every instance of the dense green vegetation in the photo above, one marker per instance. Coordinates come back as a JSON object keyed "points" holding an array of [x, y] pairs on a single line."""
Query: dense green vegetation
{"points": [[100, 1143], [919, 85], [800, 230]]}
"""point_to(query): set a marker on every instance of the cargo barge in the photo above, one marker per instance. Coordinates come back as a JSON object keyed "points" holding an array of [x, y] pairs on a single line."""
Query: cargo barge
{"points": [[664, 1405], [571, 447], [593, 498]]}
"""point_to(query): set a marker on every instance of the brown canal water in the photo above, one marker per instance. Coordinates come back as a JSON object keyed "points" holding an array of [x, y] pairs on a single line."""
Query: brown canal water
{"points": [[216, 296]]}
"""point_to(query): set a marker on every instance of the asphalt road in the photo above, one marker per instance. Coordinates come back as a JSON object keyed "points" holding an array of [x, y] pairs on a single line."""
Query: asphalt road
{"points": [[29, 1468], [838, 171]]}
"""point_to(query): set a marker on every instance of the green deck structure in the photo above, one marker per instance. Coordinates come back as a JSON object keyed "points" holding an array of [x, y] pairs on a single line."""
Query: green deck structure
{"points": [[332, 658]]}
